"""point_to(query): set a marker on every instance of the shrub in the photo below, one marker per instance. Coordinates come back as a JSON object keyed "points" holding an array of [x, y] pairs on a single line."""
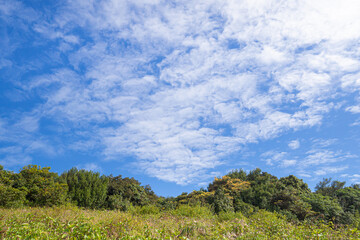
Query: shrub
{"points": [[11, 197], [227, 216], [326, 206], [148, 209], [222, 202], [43, 188], [116, 202], [86, 188], [245, 208], [192, 211]]}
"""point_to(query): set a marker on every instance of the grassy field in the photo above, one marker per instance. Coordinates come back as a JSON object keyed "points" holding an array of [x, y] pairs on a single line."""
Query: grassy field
{"points": [[148, 223]]}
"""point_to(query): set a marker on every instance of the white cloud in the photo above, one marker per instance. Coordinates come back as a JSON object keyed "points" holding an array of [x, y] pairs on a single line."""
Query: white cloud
{"points": [[279, 158], [28, 123], [319, 143], [294, 144], [164, 129], [16, 160], [288, 163], [323, 156], [329, 170], [158, 80], [21, 139], [304, 175], [94, 167], [353, 109], [351, 178]]}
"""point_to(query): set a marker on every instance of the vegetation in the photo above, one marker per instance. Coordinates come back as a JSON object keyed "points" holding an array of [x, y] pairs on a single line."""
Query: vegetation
{"points": [[75, 223], [39, 204], [86, 188]]}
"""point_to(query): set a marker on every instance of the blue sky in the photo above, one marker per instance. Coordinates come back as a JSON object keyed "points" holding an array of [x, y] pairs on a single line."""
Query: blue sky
{"points": [[175, 93]]}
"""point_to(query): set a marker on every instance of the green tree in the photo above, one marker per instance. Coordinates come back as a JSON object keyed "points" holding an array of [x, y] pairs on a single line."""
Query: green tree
{"points": [[327, 187], [327, 207], [295, 183], [86, 188], [6, 177], [10, 196], [43, 187], [349, 199], [263, 187], [238, 174], [289, 200], [221, 202], [128, 190], [287, 197]]}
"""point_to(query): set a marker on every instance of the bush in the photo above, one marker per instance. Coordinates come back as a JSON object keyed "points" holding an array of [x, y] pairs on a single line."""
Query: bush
{"points": [[192, 211], [325, 206], [166, 204], [116, 202], [227, 216], [245, 208], [222, 202], [43, 188], [11, 197], [86, 188], [148, 209]]}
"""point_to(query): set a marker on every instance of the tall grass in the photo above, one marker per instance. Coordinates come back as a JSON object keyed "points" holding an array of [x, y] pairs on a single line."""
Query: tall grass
{"points": [[186, 222]]}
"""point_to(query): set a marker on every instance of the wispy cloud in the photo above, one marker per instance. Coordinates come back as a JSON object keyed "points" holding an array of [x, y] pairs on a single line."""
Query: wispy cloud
{"points": [[323, 156], [294, 144], [94, 167], [353, 178], [182, 85], [319, 158], [329, 170], [278, 158]]}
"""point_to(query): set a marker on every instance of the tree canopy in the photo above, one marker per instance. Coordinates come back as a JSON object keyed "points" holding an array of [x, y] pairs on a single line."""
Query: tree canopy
{"points": [[237, 191]]}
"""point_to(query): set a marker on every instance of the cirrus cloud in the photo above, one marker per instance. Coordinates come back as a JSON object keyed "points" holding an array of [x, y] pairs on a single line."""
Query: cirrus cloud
{"points": [[181, 85]]}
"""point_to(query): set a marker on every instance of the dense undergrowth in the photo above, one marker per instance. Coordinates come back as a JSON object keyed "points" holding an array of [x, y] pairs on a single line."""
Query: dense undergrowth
{"points": [[187, 222]]}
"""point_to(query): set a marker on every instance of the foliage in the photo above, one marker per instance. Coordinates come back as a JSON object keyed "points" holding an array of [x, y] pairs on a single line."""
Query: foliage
{"points": [[238, 174], [221, 202], [328, 187], [86, 188], [220, 194], [263, 187], [290, 200], [145, 210], [192, 211], [43, 188], [230, 186], [130, 191], [73, 223], [245, 208], [326, 207], [349, 199], [293, 183], [166, 203], [11, 197], [237, 195], [117, 202]]}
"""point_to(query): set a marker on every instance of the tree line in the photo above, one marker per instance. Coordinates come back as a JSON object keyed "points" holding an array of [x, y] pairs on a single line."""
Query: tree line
{"points": [[39, 187], [238, 191]]}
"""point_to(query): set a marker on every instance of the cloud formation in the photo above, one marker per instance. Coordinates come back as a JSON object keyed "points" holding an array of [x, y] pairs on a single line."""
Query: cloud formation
{"points": [[181, 85], [294, 144]]}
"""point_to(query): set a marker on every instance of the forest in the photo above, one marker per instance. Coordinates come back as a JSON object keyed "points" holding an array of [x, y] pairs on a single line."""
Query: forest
{"points": [[240, 205]]}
